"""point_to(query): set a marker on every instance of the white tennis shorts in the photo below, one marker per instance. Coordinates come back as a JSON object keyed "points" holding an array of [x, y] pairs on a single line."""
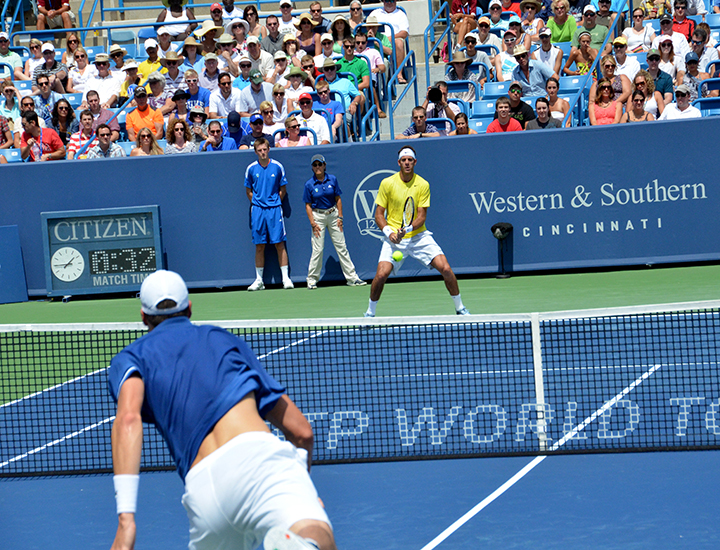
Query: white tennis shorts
{"points": [[422, 247], [250, 484]]}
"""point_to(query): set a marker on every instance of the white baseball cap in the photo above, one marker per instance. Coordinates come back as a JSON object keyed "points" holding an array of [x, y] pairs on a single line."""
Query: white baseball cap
{"points": [[48, 47], [163, 285], [151, 43]]}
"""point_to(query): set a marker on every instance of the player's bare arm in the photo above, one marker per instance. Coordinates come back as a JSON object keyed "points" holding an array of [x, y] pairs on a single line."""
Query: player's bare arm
{"points": [[396, 236], [127, 434], [292, 423]]}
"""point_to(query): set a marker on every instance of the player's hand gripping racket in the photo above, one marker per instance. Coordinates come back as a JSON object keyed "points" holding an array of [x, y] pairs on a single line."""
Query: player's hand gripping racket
{"points": [[408, 214]]}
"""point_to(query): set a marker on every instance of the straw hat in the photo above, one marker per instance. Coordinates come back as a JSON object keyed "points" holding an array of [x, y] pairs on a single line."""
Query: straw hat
{"points": [[115, 48], [300, 20], [190, 41], [225, 38], [520, 50], [459, 57], [171, 56], [206, 27]]}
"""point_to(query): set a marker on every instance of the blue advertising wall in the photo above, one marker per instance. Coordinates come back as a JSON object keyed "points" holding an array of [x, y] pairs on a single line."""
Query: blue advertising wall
{"points": [[611, 196]]}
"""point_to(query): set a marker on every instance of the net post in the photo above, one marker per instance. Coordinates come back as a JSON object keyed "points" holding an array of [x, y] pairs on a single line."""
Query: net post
{"points": [[539, 383]]}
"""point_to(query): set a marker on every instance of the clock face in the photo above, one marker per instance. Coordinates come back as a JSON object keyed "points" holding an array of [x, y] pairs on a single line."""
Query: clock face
{"points": [[67, 264]]}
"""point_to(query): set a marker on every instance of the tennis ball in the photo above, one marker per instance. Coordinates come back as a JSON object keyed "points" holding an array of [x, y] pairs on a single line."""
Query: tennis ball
{"points": [[397, 256]]}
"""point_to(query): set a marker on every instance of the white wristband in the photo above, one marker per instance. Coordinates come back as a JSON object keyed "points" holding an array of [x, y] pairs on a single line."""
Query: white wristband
{"points": [[126, 491], [388, 231]]}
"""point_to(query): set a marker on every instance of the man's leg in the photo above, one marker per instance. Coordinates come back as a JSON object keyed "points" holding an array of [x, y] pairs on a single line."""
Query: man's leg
{"points": [[259, 268], [318, 248], [400, 53], [41, 22], [283, 261], [384, 269], [440, 263]]}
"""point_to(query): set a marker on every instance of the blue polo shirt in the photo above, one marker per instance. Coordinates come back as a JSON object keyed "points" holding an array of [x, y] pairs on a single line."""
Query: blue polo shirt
{"points": [[265, 183], [193, 375], [228, 144], [321, 194], [538, 74], [241, 82]]}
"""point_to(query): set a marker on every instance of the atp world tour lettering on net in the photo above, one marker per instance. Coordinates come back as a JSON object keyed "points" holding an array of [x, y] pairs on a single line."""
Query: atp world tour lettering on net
{"points": [[482, 426], [584, 197]]}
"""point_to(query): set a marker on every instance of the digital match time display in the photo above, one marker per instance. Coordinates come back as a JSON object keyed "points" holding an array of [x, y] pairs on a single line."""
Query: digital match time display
{"points": [[103, 250], [123, 260]]}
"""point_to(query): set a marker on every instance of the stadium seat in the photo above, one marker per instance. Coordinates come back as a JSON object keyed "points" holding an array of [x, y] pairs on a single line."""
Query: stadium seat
{"points": [[460, 86], [127, 146], [483, 107], [74, 99], [713, 20], [489, 49], [709, 106], [12, 155], [438, 122], [530, 100], [464, 107], [145, 33], [712, 84], [93, 51], [493, 90], [22, 85], [122, 37], [480, 124]]}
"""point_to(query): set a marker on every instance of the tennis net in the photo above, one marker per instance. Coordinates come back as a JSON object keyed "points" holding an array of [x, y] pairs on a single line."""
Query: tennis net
{"points": [[401, 388]]}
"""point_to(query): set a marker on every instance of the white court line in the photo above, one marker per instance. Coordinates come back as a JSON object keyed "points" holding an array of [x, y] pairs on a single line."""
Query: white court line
{"points": [[532, 464], [56, 386], [109, 419], [53, 443]]}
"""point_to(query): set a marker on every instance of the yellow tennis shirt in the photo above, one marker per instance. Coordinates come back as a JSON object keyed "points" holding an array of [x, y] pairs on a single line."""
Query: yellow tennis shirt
{"points": [[393, 193]]}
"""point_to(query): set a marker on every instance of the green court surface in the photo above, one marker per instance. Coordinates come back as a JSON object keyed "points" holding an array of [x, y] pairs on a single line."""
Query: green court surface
{"points": [[518, 294]]}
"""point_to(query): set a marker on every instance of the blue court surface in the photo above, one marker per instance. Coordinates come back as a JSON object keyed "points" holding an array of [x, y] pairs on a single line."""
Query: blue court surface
{"points": [[601, 501]]}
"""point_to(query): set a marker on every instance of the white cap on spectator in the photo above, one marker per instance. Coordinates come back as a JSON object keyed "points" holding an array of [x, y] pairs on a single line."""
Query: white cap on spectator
{"points": [[326, 36], [48, 47], [588, 8], [163, 285], [280, 54], [252, 39], [151, 43], [162, 30], [495, 3], [4, 35], [285, 3]]}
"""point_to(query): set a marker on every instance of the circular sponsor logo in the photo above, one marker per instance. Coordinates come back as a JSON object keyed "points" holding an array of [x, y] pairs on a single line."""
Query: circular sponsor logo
{"points": [[364, 202]]}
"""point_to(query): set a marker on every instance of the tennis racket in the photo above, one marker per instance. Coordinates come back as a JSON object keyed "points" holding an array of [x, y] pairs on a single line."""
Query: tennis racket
{"points": [[408, 214]]}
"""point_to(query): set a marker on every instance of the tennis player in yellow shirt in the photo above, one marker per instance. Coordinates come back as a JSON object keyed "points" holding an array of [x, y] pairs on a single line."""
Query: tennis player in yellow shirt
{"points": [[414, 240]]}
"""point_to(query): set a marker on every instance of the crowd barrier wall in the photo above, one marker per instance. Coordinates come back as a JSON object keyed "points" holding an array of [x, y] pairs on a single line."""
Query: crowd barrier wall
{"points": [[587, 197]]}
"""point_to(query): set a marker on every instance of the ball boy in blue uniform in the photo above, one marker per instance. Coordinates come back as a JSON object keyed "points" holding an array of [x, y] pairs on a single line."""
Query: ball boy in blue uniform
{"points": [[207, 394], [265, 184]]}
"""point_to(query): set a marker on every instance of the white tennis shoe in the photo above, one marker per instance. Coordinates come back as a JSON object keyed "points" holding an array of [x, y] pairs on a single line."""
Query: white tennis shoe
{"points": [[288, 284], [282, 539], [257, 285]]}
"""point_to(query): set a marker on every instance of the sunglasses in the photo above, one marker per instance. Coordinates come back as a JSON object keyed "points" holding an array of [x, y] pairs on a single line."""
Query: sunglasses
{"points": [[28, 105], [31, 47], [666, 22], [257, 122], [329, 69], [698, 42], [80, 56], [102, 64], [108, 135], [653, 59], [278, 94], [72, 42], [237, 27], [179, 129], [508, 40], [318, 10], [323, 92], [267, 112], [63, 108], [192, 80], [363, 42], [294, 127], [680, 94], [317, 163], [603, 88], [305, 102], [171, 63], [355, 9], [245, 65], [640, 16], [144, 136], [521, 56], [484, 26], [215, 132], [515, 90], [216, 11], [225, 83], [116, 54], [666, 45], [43, 84], [308, 67]]}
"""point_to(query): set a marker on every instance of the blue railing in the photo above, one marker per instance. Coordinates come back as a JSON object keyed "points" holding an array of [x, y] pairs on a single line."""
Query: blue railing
{"points": [[430, 29], [393, 81]]}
